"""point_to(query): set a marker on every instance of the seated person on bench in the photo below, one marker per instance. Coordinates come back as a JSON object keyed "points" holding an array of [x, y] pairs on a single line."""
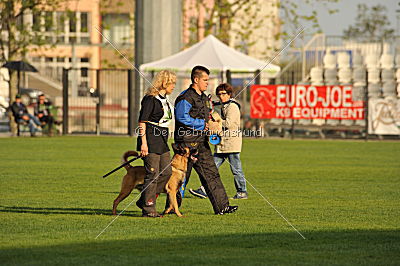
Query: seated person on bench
{"points": [[21, 115], [43, 112]]}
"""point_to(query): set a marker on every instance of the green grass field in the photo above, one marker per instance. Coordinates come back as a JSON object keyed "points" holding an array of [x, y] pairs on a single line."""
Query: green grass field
{"points": [[343, 196]]}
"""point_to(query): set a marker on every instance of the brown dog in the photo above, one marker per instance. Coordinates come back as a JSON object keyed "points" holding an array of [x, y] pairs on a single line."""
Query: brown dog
{"points": [[179, 168], [134, 177]]}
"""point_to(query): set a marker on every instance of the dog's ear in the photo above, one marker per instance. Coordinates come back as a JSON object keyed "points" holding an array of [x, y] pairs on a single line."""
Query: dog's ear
{"points": [[186, 151], [175, 148]]}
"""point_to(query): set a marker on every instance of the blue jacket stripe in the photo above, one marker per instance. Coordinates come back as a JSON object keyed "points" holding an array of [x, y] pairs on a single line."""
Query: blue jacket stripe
{"points": [[182, 110]]}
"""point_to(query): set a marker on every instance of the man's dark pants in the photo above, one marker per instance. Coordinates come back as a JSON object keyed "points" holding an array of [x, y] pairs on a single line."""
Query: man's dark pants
{"points": [[209, 176]]}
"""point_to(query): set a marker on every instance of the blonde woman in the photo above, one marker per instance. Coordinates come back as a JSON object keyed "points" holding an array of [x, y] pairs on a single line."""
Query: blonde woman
{"points": [[154, 119]]}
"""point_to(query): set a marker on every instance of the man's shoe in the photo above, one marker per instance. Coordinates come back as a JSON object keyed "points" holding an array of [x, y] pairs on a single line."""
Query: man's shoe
{"points": [[228, 209], [152, 215], [200, 192], [240, 195]]}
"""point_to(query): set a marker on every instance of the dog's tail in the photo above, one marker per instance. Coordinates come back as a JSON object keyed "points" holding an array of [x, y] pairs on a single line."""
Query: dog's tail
{"points": [[126, 156]]}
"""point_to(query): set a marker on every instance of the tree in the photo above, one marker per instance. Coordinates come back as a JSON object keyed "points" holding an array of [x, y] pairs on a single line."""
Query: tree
{"points": [[219, 17], [18, 36], [222, 14], [371, 24]]}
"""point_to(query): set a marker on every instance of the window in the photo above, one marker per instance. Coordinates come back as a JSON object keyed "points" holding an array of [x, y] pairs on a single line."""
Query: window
{"points": [[52, 67], [116, 28], [72, 21], [84, 22], [63, 27], [36, 21], [48, 21], [60, 18], [84, 72]]}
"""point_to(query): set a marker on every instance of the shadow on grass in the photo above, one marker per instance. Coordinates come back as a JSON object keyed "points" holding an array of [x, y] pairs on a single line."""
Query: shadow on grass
{"points": [[373, 247], [78, 211]]}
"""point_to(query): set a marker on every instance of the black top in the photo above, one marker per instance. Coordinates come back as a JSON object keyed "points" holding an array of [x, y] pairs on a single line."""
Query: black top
{"points": [[42, 108], [151, 110], [200, 109], [18, 110], [157, 137]]}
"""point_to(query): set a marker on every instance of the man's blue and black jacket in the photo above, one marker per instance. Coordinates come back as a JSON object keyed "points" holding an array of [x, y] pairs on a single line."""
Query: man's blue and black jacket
{"points": [[191, 114]]}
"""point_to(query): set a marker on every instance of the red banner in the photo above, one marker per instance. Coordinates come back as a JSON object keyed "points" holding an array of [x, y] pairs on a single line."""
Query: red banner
{"points": [[304, 102]]}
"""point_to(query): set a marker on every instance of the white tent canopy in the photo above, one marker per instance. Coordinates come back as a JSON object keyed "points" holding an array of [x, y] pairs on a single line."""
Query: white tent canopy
{"points": [[214, 55]]}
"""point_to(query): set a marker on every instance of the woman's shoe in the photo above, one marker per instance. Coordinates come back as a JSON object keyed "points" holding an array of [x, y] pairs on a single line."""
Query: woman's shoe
{"points": [[152, 215]]}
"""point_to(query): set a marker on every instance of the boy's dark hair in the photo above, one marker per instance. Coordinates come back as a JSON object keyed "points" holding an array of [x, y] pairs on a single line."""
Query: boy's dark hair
{"points": [[197, 72], [224, 87]]}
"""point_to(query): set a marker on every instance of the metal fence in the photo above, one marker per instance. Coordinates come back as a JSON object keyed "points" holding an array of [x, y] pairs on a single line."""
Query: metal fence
{"points": [[97, 101]]}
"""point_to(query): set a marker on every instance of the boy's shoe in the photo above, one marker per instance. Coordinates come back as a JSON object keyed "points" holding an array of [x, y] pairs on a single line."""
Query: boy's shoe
{"points": [[200, 192], [228, 209], [240, 195]]}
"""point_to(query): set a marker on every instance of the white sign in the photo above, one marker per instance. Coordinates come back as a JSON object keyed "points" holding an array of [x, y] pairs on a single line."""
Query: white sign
{"points": [[384, 116]]}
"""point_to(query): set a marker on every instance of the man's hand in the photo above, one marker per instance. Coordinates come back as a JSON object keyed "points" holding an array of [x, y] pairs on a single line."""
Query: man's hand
{"points": [[25, 117], [40, 115]]}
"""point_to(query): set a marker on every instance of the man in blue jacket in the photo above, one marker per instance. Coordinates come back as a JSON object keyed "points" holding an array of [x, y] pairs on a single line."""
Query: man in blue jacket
{"points": [[192, 112]]}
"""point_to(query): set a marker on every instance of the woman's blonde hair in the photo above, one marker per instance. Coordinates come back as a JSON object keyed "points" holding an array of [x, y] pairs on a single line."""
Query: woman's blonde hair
{"points": [[161, 81]]}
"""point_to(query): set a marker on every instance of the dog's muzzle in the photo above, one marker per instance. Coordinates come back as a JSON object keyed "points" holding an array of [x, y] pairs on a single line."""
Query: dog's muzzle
{"points": [[193, 157]]}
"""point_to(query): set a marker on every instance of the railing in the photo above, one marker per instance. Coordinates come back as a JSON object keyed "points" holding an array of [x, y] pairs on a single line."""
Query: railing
{"points": [[312, 54]]}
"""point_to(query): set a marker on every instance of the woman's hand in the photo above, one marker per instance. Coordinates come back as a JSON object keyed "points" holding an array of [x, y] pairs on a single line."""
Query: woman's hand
{"points": [[144, 150]]}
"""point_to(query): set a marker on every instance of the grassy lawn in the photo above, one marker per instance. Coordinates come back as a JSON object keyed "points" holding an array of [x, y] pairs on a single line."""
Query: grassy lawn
{"points": [[343, 196]]}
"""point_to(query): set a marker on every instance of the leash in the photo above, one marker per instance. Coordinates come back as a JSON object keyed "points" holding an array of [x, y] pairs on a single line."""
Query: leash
{"points": [[119, 167]]}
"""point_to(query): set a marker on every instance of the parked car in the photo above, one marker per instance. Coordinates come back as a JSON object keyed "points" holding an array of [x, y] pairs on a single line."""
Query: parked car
{"points": [[29, 95]]}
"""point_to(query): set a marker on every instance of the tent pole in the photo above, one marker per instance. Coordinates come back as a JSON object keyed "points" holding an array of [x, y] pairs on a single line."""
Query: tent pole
{"points": [[228, 77]]}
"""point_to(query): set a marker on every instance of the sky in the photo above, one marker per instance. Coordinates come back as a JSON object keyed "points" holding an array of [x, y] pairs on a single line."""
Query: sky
{"points": [[347, 12]]}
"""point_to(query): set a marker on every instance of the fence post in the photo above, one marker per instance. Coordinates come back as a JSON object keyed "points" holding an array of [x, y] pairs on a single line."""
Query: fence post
{"points": [[131, 101], [65, 101], [98, 102], [291, 109], [257, 81], [366, 106]]}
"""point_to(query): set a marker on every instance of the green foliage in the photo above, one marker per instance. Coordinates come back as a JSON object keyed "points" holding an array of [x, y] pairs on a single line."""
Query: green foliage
{"points": [[222, 15], [18, 37], [372, 24], [341, 195], [21, 36], [294, 21]]}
